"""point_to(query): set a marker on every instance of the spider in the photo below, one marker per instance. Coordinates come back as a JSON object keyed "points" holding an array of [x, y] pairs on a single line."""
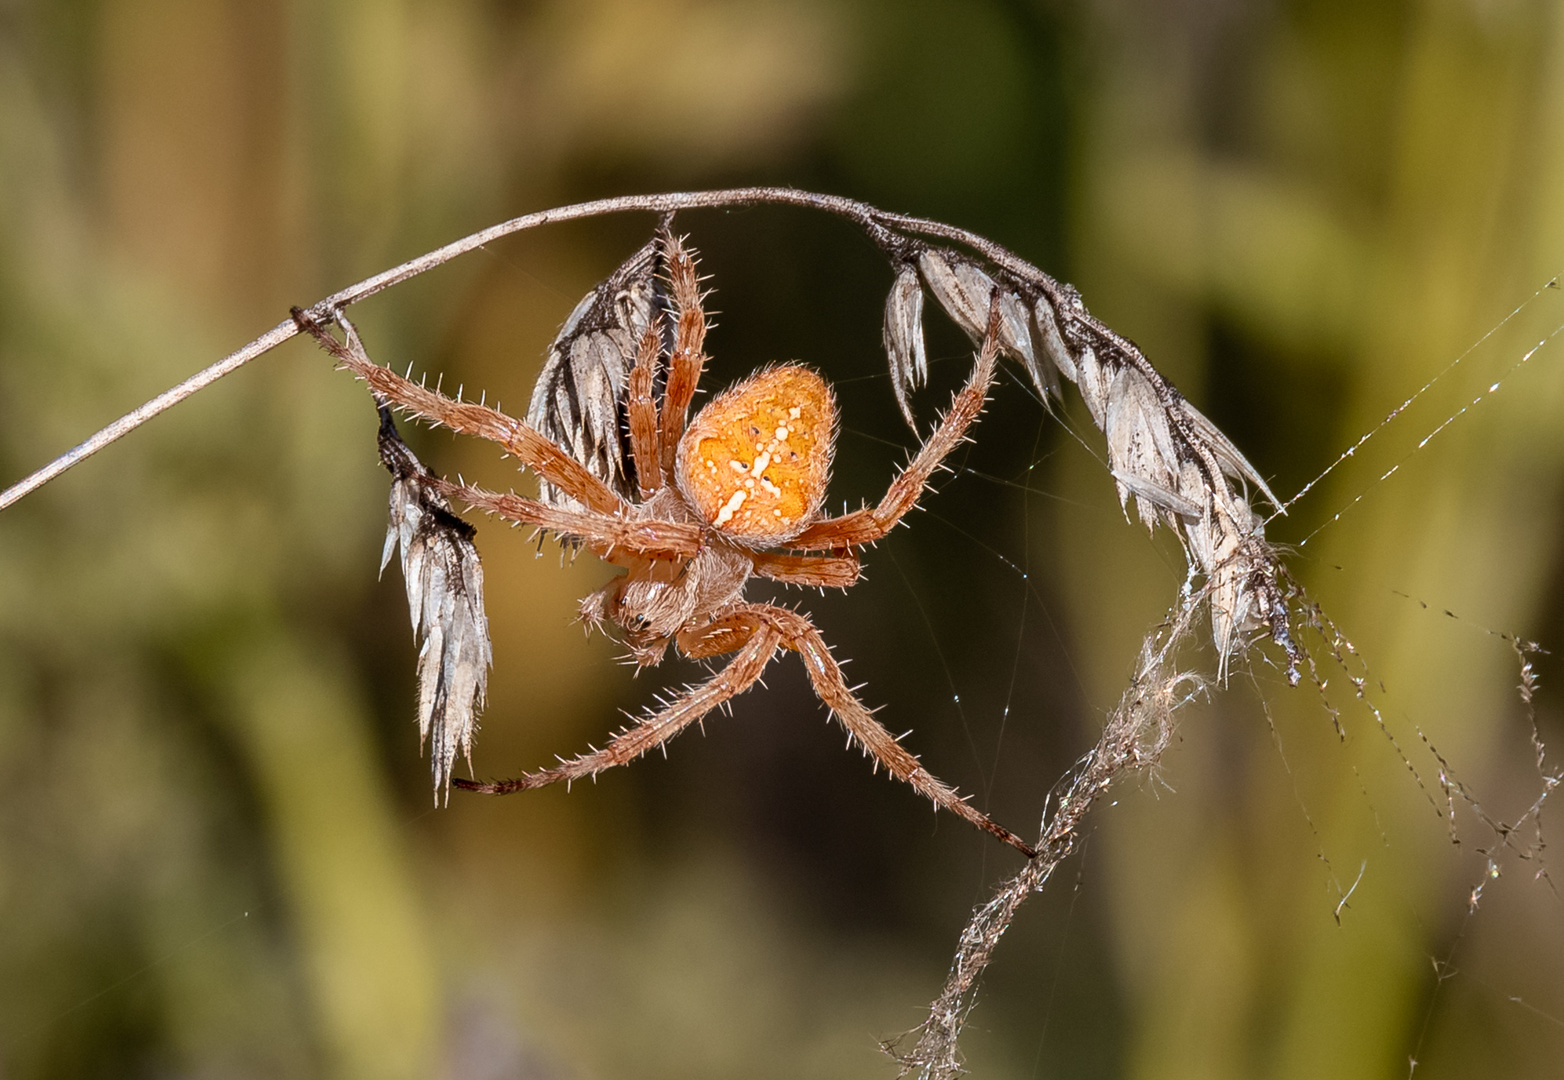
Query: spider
{"points": [[717, 495]]}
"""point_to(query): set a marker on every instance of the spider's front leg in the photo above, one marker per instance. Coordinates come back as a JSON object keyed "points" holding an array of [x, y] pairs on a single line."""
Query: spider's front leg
{"points": [[688, 359], [532, 448], [641, 412]]}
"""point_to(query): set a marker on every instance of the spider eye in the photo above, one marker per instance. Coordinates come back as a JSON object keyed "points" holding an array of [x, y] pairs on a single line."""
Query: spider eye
{"points": [[756, 460]]}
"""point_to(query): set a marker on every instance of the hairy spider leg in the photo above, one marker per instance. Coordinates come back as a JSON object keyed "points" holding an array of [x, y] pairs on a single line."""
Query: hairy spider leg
{"points": [[606, 533], [684, 367], [872, 523], [756, 631], [823, 571], [756, 642], [641, 411], [531, 447], [800, 635]]}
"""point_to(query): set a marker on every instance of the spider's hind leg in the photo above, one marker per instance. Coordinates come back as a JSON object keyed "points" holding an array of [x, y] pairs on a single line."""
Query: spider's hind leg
{"points": [[760, 641]]}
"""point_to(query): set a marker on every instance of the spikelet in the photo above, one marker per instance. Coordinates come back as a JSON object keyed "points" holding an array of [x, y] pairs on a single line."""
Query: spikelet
{"points": [[579, 398], [1179, 469], [444, 580]]}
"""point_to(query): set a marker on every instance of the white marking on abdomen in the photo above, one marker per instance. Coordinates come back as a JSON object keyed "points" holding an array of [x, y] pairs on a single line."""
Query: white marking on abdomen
{"points": [[725, 515]]}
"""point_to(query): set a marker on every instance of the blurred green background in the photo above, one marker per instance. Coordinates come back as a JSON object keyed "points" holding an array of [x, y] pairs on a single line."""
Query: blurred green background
{"points": [[217, 857]]}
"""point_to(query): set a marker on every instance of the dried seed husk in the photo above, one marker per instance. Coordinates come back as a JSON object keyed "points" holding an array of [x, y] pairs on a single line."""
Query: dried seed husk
{"points": [[1093, 383], [903, 337], [444, 580], [1228, 546], [1161, 497], [1040, 363], [1232, 461], [964, 290], [579, 398], [1049, 341], [1140, 443]]}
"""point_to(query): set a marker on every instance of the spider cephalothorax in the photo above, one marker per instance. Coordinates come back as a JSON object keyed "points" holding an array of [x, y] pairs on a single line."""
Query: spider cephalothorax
{"points": [[710, 504]]}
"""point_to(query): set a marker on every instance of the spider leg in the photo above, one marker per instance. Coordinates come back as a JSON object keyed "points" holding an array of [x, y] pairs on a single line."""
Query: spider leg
{"points": [[756, 631], [760, 641], [799, 635], [607, 533], [871, 523], [641, 409], [835, 571], [684, 368], [532, 448]]}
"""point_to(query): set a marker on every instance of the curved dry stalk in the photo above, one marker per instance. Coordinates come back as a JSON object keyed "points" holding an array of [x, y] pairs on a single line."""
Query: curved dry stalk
{"points": [[325, 310]]}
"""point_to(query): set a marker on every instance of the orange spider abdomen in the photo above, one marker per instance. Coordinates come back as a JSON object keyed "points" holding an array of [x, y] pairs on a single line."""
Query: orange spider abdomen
{"points": [[755, 462]]}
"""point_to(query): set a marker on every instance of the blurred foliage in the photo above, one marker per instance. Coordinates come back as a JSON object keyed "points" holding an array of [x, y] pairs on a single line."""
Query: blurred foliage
{"points": [[217, 856]]}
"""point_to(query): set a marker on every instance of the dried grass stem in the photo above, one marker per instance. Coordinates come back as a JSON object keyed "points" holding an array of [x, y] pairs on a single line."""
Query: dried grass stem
{"points": [[877, 223]]}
